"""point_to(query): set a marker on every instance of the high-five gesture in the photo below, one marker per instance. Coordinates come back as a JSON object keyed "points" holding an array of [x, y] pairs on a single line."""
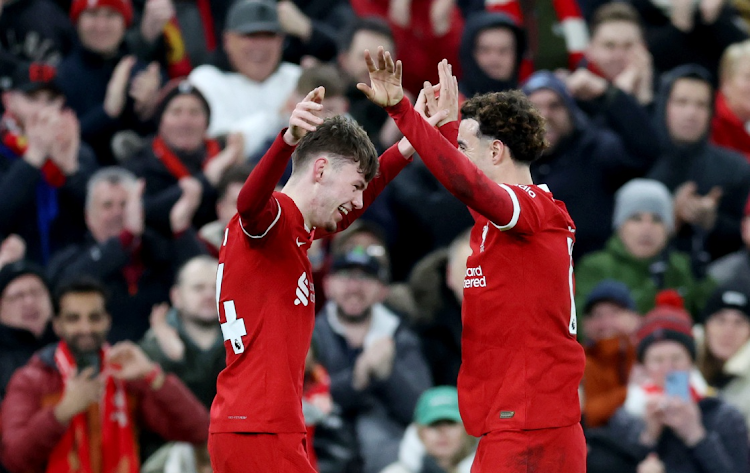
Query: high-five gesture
{"points": [[447, 99], [385, 87]]}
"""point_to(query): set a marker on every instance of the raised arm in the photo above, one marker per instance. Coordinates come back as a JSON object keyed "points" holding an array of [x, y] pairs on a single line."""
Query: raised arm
{"points": [[255, 204], [451, 167]]}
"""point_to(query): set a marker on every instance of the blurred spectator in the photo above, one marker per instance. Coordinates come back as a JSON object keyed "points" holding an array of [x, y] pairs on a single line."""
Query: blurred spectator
{"points": [[437, 285], [679, 32], [179, 457], [331, 445], [424, 31], [78, 404], [312, 27], [43, 165], [180, 35], [227, 191], [730, 123], [724, 348], [25, 312], [361, 34], [639, 254], [249, 88], [735, 265], [618, 51], [185, 339], [609, 325], [580, 154], [694, 433], [557, 32], [376, 366], [12, 249], [135, 263], [492, 48], [108, 89], [710, 183], [35, 31], [436, 441], [179, 150]]}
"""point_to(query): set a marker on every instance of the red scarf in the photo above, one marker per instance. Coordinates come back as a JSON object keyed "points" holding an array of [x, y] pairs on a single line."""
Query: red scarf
{"points": [[178, 61], [118, 455], [18, 144], [173, 163], [728, 130], [317, 391], [572, 23]]}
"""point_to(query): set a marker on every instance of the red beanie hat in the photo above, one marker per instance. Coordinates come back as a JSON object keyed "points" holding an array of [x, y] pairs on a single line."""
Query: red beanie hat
{"points": [[667, 321], [124, 7]]}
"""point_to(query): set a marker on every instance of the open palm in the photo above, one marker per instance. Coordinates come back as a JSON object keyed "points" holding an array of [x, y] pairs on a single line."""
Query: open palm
{"points": [[385, 79]]}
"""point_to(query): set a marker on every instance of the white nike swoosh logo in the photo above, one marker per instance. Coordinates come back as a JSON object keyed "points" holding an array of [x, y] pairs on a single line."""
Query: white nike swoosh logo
{"points": [[299, 243]]}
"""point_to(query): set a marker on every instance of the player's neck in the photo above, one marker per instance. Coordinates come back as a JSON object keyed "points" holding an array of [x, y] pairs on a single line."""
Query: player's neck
{"points": [[300, 197], [510, 172]]}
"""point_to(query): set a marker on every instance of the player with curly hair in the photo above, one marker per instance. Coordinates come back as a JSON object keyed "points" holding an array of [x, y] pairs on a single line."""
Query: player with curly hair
{"points": [[521, 362]]}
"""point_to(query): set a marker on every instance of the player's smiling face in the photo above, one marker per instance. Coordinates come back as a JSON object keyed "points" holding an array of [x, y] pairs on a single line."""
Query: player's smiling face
{"points": [[474, 146], [341, 191]]}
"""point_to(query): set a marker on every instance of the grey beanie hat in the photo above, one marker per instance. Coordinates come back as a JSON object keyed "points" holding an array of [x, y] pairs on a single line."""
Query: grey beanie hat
{"points": [[643, 195]]}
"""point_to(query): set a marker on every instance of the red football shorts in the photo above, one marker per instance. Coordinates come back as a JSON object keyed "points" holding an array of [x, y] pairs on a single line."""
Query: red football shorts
{"points": [[258, 453], [561, 450]]}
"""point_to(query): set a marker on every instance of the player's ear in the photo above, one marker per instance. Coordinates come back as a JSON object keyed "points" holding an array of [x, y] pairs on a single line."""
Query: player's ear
{"points": [[319, 167], [498, 150]]}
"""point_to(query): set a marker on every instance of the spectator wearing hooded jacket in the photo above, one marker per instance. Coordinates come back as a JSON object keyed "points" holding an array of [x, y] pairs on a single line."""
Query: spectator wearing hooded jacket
{"points": [[710, 183], [108, 89], [492, 48], [581, 155]]}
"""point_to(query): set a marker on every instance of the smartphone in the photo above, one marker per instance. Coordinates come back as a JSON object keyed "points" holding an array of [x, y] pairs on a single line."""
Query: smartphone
{"points": [[86, 360], [677, 384]]}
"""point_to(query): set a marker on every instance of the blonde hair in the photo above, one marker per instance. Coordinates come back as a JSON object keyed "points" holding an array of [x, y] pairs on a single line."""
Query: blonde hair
{"points": [[731, 57]]}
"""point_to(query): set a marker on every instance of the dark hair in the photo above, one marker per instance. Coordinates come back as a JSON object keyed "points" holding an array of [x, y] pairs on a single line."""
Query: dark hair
{"points": [[511, 118], [232, 175], [322, 75], [612, 12], [342, 138], [79, 285], [368, 23]]}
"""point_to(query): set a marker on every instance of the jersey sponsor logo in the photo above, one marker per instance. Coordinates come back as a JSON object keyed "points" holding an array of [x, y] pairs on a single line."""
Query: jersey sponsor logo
{"points": [[528, 190], [305, 291], [507, 414], [475, 278]]}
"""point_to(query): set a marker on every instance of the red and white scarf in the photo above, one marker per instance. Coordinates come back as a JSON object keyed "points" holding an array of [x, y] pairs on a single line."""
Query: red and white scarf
{"points": [[172, 162], [571, 20], [72, 454]]}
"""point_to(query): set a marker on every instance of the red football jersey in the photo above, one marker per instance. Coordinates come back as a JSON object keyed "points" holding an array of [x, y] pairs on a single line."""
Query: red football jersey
{"points": [[266, 299], [521, 362], [267, 311]]}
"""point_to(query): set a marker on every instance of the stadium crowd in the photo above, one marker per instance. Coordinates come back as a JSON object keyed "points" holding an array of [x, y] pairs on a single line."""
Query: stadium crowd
{"points": [[129, 127]]}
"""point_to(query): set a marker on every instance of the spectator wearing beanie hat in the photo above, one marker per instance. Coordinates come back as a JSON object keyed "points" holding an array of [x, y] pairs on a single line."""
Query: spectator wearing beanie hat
{"points": [[109, 89], [639, 255], [699, 433], [181, 152], [724, 343], [735, 265], [609, 324]]}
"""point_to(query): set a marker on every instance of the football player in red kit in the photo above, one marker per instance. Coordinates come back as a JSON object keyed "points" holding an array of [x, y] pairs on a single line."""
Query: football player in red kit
{"points": [[521, 363], [264, 289]]}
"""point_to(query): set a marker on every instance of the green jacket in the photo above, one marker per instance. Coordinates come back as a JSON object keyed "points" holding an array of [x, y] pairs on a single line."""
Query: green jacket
{"points": [[614, 262], [198, 369]]}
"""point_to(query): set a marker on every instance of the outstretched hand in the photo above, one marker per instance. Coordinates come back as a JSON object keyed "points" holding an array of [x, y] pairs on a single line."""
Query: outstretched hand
{"points": [[306, 116], [385, 87]]}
